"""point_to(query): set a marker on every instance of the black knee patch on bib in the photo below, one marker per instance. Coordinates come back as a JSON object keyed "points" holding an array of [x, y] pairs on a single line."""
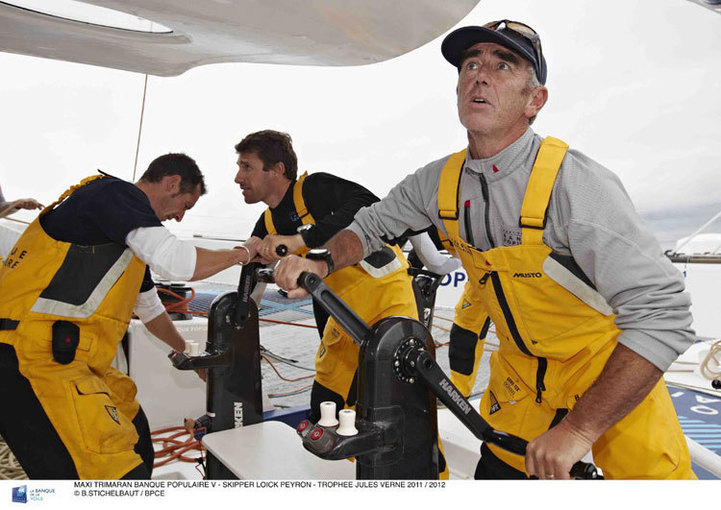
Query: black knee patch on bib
{"points": [[144, 446], [462, 349], [139, 473]]}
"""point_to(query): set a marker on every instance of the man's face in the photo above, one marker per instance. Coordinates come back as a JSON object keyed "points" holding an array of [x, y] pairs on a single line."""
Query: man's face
{"points": [[252, 179], [493, 92], [173, 204]]}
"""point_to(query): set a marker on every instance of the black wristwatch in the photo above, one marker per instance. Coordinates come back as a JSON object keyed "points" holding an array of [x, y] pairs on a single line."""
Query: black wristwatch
{"points": [[321, 254], [303, 230]]}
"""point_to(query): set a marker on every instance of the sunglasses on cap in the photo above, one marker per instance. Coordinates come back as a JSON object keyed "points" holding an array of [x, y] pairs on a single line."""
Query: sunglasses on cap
{"points": [[521, 30]]}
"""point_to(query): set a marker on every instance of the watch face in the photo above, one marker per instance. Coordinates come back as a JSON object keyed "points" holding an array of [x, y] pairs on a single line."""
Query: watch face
{"points": [[321, 254]]}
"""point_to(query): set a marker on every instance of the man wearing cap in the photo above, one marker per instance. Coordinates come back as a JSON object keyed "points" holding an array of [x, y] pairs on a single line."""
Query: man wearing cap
{"points": [[588, 311]]}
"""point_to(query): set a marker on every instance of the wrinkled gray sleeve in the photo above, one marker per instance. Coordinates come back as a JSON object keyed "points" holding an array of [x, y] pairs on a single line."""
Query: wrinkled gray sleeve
{"points": [[595, 220], [409, 207]]}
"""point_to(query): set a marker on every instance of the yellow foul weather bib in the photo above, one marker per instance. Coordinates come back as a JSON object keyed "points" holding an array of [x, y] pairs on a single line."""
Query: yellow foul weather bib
{"points": [[90, 292], [555, 335], [373, 293]]}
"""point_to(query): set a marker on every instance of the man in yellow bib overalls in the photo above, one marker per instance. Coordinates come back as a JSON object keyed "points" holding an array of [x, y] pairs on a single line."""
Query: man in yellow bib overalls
{"points": [[303, 213], [67, 291], [587, 310]]}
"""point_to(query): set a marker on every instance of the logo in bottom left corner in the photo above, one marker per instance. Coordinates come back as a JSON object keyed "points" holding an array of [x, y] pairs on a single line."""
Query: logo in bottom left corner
{"points": [[20, 494]]}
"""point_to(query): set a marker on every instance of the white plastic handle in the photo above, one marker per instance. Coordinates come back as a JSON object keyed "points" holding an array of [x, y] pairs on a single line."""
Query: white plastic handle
{"points": [[327, 414], [347, 423]]}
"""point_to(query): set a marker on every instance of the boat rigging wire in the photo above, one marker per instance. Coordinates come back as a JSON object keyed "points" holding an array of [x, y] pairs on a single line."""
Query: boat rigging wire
{"points": [[287, 323], [300, 390], [181, 306], [293, 363], [692, 236], [140, 127], [267, 360], [142, 116], [17, 220]]}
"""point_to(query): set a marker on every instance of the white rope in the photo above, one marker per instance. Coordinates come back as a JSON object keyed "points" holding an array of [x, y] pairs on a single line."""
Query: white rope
{"points": [[711, 365]]}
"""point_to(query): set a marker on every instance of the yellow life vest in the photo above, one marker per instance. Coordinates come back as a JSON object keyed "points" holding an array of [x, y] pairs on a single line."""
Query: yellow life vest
{"points": [[346, 280]]}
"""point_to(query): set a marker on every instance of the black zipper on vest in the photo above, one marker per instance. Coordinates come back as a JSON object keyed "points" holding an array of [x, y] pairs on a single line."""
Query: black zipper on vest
{"points": [[511, 323], [467, 220], [484, 190], [540, 374]]}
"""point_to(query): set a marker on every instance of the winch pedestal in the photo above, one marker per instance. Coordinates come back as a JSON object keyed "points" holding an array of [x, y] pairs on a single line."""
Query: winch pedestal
{"points": [[398, 382], [232, 360]]}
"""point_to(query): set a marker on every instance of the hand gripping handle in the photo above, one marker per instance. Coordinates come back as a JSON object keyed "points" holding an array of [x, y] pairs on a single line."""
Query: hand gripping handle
{"points": [[436, 381], [329, 300]]}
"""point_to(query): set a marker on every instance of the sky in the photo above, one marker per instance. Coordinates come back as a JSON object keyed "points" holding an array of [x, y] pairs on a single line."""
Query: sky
{"points": [[634, 84]]}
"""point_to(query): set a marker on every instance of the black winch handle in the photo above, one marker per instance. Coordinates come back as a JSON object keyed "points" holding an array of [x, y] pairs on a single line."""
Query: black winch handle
{"points": [[281, 250], [584, 471], [415, 271], [246, 284], [420, 363], [264, 275], [329, 300], [182, 361]]}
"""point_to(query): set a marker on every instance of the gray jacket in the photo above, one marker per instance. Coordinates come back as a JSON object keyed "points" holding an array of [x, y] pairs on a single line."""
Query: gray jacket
{"points": [[590, 218]]}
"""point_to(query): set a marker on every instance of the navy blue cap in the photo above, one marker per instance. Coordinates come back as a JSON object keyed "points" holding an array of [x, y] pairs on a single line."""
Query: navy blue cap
{"points": [[461, 39]]}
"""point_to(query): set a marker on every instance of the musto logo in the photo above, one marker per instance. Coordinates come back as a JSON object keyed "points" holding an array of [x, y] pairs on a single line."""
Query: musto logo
{"points": [[527, 275]]}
